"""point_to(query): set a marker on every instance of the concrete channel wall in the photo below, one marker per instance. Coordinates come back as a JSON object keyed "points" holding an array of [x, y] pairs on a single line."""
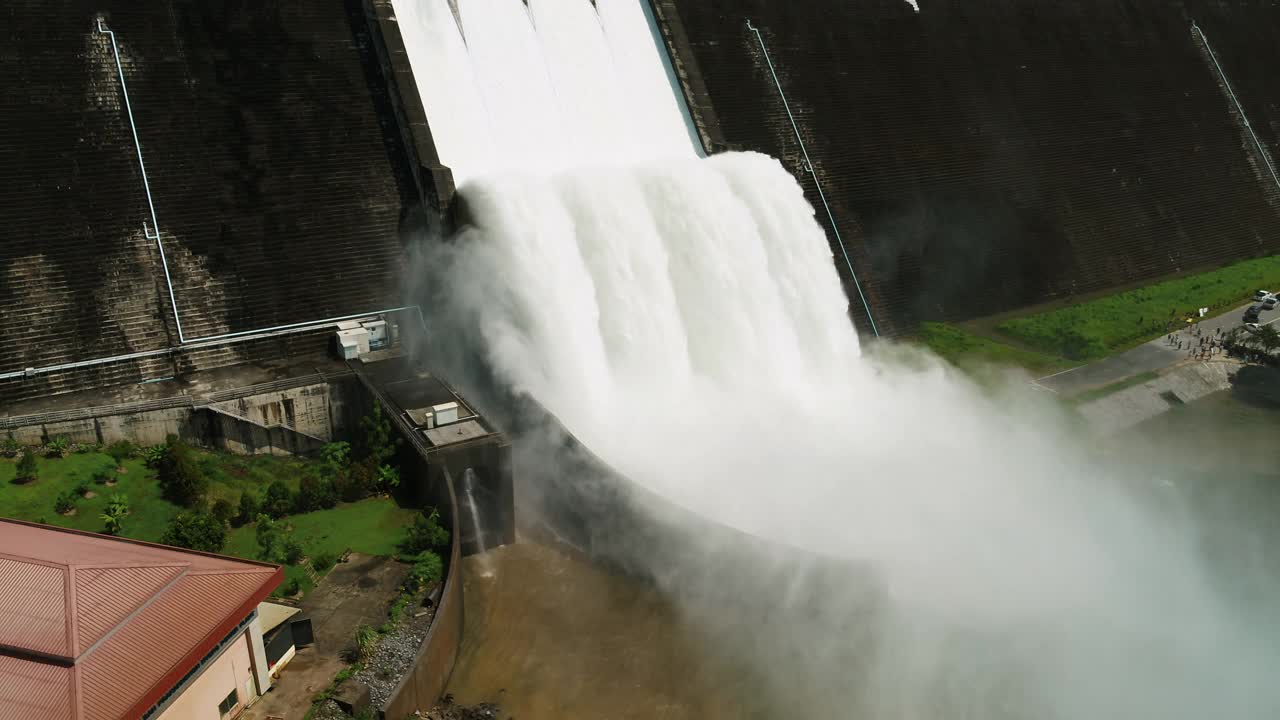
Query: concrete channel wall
{"points": [[290, 417]]}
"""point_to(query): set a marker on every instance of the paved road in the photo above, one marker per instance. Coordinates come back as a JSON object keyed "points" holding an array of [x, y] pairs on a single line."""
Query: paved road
{"points": [[1148, 357]]}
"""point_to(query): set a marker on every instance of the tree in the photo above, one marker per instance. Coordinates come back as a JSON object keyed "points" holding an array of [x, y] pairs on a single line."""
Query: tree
{"points": [[248, 508], [27, 470], [279, 500], [426, 533], [120, 451], [181, 478], [335, 457], [196, 531], [113, 514], [268, 535], [223, 510], [1267, 338], [358, 482], [378, 442], [315, 493]]}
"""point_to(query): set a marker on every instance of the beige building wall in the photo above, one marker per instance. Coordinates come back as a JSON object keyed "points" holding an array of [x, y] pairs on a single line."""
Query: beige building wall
{"points": [[231, 671]]}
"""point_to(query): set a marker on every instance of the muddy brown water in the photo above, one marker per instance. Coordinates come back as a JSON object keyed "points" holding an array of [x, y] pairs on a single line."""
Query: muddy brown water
{"points": [[549, 636]]}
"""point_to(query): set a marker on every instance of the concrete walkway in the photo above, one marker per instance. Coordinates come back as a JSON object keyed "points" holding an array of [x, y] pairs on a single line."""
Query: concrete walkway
{"points": [[1148, 357]]}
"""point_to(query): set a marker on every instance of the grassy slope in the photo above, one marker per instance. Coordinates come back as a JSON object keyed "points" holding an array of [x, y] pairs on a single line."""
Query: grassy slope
{"points": [[374, 526], [1102, 327], [961, 348]]}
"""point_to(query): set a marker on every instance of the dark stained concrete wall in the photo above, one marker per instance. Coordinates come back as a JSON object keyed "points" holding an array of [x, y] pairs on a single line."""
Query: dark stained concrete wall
{"points": [[985, 155], [279, 175]]}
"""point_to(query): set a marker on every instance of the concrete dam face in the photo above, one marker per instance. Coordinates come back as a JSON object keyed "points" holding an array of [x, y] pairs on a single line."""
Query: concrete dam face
{"points": [[983, 156]]}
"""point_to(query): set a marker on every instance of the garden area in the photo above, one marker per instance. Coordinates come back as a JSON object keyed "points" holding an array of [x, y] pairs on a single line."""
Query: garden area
{"points": [[304, 514]]}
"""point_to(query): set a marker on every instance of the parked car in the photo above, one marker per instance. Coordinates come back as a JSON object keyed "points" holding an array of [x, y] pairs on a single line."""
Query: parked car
{"points": [[1261, 295], [1251, 315], [1251, 327], [1270, 303]]}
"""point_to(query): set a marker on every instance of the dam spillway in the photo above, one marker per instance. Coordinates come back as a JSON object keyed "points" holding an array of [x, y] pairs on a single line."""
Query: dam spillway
{"points": [[683, 318]]}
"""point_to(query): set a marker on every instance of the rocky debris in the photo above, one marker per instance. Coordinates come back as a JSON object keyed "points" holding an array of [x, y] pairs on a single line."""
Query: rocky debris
{"points": [[395, 653], [447, 709], [329, 710]]}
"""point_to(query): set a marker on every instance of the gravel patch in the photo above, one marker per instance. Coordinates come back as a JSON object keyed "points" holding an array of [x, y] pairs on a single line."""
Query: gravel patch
{"points": [[447, 710], [396, 653], [329, 710]]}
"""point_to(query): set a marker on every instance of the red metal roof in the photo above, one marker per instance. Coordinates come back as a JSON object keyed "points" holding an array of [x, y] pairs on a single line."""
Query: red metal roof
{"points": [[96, 628]]}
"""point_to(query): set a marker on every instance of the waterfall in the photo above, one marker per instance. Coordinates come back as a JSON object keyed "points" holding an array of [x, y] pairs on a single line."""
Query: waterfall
{"points": [[469, 491], [683, 317]]}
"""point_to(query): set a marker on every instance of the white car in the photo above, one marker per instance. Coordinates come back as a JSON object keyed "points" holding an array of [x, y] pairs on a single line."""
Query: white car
{"points": [[1262, 295], [1251, 327], [1270, 303]]}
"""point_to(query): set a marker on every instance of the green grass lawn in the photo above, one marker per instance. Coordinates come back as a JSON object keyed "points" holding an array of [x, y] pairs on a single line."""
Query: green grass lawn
{"points": [[149, 512], [1108, 325], [965, 349], [374, 526]]}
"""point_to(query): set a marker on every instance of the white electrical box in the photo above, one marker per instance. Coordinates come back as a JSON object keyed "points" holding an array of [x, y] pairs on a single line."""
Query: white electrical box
{"points": [[357, 338], [445, 413], [379, 337]]}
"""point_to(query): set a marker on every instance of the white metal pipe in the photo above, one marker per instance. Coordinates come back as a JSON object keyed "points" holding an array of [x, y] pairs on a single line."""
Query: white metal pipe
{"points": [[1262, 151], [146, 183], [808, 165], [212, 341]]}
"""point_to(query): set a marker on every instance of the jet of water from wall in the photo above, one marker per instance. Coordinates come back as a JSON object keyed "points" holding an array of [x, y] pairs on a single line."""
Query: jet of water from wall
{"points": [[543, 87]]}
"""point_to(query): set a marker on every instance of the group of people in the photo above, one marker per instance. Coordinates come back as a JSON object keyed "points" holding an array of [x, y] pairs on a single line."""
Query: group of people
{"points": [[1198, 344]]}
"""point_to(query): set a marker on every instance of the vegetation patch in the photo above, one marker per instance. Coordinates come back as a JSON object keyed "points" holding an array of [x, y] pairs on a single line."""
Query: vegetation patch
{"points": [[1113, 388], [1094, 329], [964, 349]]}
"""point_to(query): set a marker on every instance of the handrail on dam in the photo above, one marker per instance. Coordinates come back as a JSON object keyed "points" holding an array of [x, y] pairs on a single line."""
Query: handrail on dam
{"points": [[808, 166], [1262, 151]]}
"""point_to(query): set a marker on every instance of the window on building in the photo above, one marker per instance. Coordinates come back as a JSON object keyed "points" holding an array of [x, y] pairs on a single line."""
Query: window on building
{"points": [[228, 704]]}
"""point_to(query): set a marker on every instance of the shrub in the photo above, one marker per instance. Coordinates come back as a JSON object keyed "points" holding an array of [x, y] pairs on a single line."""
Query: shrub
{"points": [[388, 478], [279, 500], [83, 448], [315, 493], [9, 447], [223, 510], [181, 478], [427, 568], [65, 503], [102, 477], [121, 450], [57, 447], [366, 642], [196, 531], [291, 550], [290, 588], [113, 513], [426, 533], [154, 455], [248, 508], [321, 562], [82, 489], [27, 469]]}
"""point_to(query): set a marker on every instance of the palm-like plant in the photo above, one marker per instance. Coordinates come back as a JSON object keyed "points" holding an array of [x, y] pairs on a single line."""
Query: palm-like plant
{"points": [[113, 513]]}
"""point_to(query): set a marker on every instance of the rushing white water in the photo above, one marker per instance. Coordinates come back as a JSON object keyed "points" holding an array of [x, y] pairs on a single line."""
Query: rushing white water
{"points": [[683, 317], [542, 88]]}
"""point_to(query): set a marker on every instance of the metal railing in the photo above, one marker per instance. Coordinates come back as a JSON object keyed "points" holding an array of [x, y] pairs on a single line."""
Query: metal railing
{"points": [[808, 166]]}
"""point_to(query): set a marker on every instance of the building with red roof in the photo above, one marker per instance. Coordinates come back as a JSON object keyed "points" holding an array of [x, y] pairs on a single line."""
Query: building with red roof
{"points": [[94, 627]]}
